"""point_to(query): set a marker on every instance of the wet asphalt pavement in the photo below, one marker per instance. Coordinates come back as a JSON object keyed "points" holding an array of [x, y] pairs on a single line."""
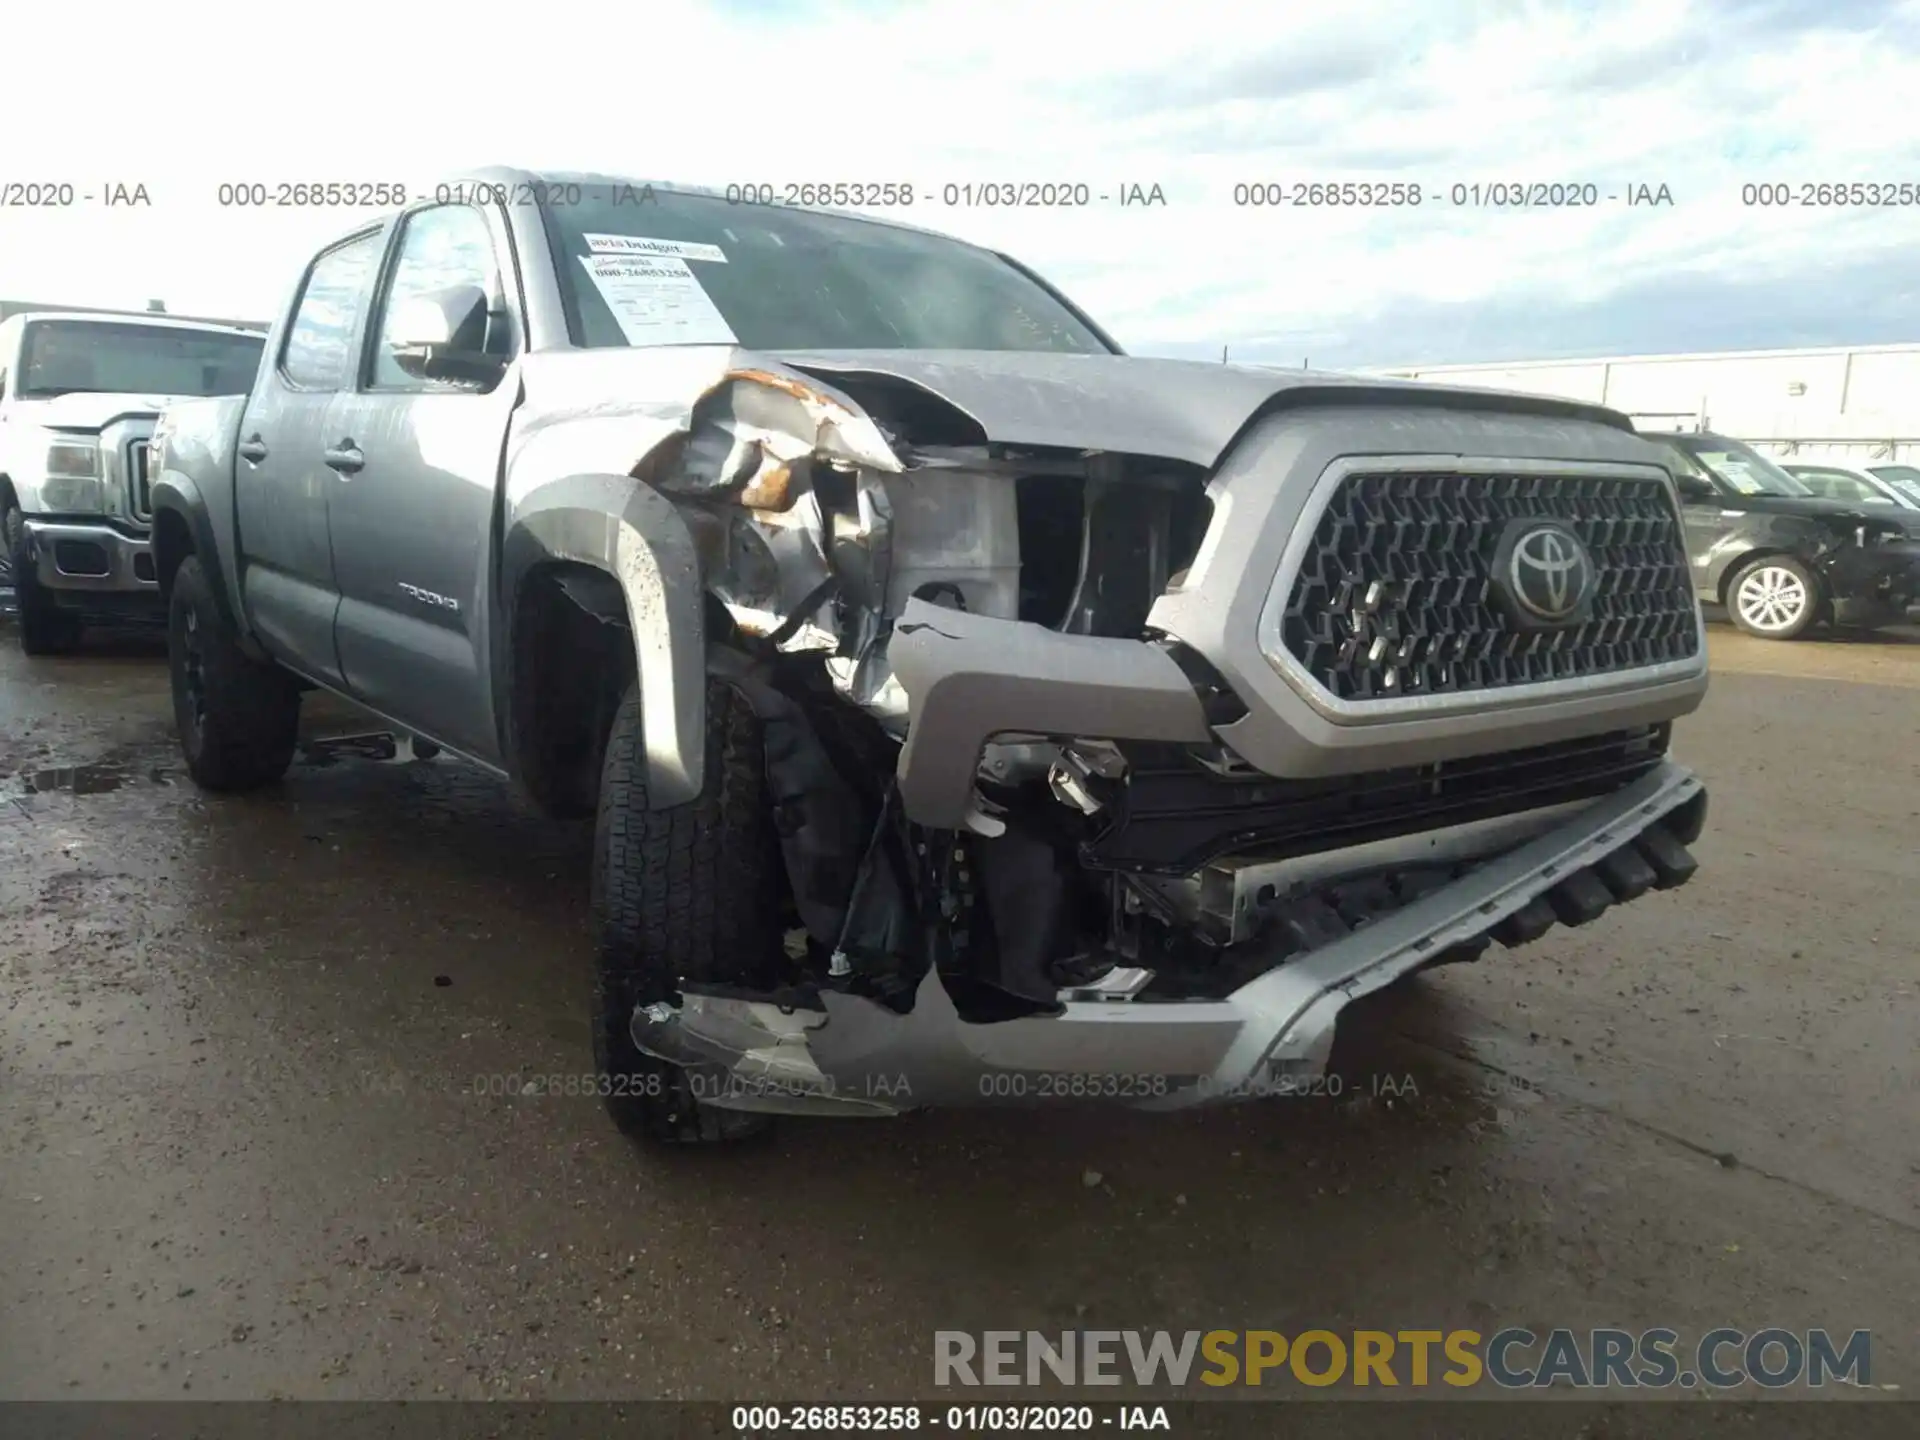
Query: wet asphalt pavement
{"points": [[283, 1103]]}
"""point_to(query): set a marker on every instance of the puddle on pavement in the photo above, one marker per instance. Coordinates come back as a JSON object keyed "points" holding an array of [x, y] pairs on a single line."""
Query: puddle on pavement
{"points": [[95, 779], [103, 776]]}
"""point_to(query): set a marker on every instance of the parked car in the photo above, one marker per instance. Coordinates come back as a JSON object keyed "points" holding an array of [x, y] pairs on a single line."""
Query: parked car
{"points": [[79, 392], [971, 713], [1778, 557], [1852, 485], [1904, 478]]}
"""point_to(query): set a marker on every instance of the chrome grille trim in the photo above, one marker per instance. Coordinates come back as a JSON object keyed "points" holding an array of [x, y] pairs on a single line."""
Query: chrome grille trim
{"points": [[139, 480]]}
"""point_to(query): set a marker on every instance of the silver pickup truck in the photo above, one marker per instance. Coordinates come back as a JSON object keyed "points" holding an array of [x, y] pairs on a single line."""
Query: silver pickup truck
{"points": [[79, 391], [972, 713]]}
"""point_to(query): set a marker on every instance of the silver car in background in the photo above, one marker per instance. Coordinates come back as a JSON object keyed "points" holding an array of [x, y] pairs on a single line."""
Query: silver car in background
{"points": [[1897, 485]]}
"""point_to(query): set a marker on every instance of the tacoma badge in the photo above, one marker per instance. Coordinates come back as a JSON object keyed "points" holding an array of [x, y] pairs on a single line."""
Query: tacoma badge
{"points": [[427, 597]]}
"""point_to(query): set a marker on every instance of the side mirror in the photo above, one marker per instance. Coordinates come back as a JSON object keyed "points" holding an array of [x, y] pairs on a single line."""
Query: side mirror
{"points": [[1693, 488], [442, 335]]}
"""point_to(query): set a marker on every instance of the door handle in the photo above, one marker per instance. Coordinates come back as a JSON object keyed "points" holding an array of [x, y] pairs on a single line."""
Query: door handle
{"points": [[345, 457], [253, 449]]}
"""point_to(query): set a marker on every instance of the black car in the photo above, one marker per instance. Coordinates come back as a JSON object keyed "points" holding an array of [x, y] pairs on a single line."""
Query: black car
{"points": [[1779, 558]]}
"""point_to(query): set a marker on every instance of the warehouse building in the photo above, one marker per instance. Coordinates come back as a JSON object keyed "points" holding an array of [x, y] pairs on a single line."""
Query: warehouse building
{"points": [[1850, 404]]}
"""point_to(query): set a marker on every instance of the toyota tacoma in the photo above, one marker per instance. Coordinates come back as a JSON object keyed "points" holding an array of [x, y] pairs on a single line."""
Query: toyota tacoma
{"points": [[969, 712]]}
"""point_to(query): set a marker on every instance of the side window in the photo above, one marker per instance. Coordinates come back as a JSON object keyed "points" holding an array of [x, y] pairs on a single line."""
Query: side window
{"points": [[1690, 478], [317, 354], [443, 248]]}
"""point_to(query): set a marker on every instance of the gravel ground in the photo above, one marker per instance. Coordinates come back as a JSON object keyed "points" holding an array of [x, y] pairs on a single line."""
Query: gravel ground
{"points": [[303, 1166]]}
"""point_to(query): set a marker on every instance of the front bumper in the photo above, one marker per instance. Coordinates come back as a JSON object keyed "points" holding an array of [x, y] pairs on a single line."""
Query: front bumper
{"points": [[852, 1056], [91, 557], [1875, 583]]}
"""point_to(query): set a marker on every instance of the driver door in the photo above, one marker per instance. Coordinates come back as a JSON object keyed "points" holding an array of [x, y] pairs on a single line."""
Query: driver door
{"points": [[1704, 518], [413, 519]]}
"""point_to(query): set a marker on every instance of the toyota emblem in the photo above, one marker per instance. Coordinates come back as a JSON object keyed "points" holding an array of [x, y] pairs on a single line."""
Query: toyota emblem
{"points": [[1542, 575], [1546, 573]]}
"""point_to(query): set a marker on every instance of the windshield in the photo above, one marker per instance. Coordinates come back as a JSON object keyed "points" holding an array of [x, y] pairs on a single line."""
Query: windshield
{"points": [[62, 357], [1829, 484], [678, 269], [1904, 478], [1740, 467]]}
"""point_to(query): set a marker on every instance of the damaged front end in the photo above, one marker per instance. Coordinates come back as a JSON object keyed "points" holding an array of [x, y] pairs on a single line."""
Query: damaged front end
{"points": [[1011, 775]]}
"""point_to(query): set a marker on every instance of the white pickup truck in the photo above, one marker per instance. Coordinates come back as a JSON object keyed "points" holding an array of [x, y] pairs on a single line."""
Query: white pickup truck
{"points": [[79, 394]]}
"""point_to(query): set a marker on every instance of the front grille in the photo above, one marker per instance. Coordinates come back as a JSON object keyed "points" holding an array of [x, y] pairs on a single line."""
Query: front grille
{"points": [[1174, 816], [139, 482], [1394, 597]]}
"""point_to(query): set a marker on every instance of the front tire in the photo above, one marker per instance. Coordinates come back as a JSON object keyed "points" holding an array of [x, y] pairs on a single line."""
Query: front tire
{"points": [[45, 629], [681, 894], [238, 718], [1775, 598]]}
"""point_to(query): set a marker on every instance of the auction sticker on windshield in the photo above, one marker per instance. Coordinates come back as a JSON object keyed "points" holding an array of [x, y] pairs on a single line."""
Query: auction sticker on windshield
{"points": [[643, 245], [657, 300], [1739, 474]]}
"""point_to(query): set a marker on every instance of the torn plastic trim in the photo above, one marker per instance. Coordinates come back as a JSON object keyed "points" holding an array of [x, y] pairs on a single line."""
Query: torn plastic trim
{"points": [[971, 677], [755, 1060], [1274, 1029]]}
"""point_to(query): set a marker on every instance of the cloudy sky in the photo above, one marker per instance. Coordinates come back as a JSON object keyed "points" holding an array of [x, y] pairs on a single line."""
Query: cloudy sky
{"points": [[1197, 98]]}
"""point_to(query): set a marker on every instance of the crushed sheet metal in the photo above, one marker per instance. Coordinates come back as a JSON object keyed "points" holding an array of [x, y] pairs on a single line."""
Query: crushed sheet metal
{"points": [[750, 428], [841, 428], [771, 487], [680, 382]]}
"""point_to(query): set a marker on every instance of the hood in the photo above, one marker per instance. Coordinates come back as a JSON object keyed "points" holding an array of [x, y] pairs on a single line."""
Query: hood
{"points": [[1172, 409], [1841, 512], [87, 411]]}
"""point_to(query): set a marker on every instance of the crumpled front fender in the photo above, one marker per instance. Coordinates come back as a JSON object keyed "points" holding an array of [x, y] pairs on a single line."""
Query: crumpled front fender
{"points": [[606, 446]]}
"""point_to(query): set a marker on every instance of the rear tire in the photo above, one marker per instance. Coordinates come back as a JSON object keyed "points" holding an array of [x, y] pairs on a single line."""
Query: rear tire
{"points": [[1775, 597], [685, 894], [45, 629], [238, 717]]}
